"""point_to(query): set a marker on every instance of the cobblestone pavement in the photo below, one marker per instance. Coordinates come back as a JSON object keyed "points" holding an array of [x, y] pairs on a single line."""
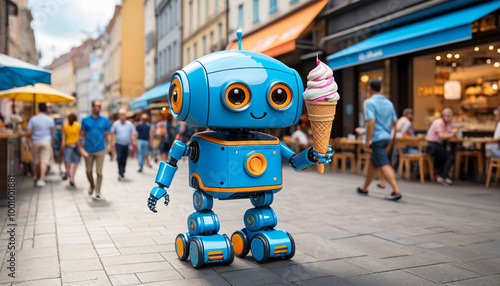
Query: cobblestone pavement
{"points": [[434, 235]]}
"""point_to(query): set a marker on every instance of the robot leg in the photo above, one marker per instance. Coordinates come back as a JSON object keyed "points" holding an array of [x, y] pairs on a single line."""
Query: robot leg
{"points": [[202, 242], [259, 234]]}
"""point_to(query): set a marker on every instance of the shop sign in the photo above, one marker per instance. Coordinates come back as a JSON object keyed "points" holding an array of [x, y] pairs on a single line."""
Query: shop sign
{"points": [[370, 55], [430, 90]]}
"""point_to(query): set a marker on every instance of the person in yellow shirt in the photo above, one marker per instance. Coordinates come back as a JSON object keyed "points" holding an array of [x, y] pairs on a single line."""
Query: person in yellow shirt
{"points": [[70, 138]]}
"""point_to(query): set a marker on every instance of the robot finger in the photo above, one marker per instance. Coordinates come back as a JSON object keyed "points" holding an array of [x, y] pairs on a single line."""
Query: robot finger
{"points": [[167, 200], [152, 203]]}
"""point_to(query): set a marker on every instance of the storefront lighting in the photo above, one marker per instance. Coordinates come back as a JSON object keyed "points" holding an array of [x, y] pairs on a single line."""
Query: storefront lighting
{"points": [[364, 78], [454, 64], [438, 58], [496, 64], [457, 56], [476, 49], [494, 86], [491, 48], [164, 109], [498, 51], [449, 56], [488, 61]]}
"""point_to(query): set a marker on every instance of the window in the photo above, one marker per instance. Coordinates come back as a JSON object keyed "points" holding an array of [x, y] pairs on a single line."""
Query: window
{"points": [[170, 17], [240, 16], [273, 7], [175, 12], [199, 13], [220, 33], [160, 63], [211, 38], [204, 45], [293, 1], [189, 55], [165, 61], [169, 63], [216, 7], [207, 5], [195, 50], [255, 11], [190, 17], [174, 51]]}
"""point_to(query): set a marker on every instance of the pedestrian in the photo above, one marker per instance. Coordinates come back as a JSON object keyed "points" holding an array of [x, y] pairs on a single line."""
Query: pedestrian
{"points": [[380, 119], [70, 142], [492, 149], [299, 138], [124, 135], [95, 129], [143, 141], [185, 132], [404, 127], [41, 130], [166, 133], [440, 131], [57, 149]]}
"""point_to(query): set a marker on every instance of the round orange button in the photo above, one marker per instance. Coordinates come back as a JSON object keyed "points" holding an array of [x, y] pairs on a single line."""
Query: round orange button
{"points": [[256, 164]]}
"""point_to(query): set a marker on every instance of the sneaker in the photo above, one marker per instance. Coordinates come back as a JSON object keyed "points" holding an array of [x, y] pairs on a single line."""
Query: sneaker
{"points": [[40, 183], [91, 191], [64, 176], [98, 196], [445, 182], [361, 192], [35, 181], [140, 170], [71, 183], [393, 197], [380, 186]]}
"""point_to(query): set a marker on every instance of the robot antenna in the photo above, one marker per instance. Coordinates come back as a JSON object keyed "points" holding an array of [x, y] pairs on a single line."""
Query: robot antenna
{"points": [[239, 33]]}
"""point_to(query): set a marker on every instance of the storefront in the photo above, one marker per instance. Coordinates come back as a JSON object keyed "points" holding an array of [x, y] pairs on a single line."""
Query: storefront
{"points": [[451, 60]]}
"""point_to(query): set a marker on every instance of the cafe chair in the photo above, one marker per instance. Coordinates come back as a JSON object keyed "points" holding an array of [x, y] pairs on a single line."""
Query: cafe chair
{"points": [[343, 152], [494, 163], [465, 155], [406, 159]]}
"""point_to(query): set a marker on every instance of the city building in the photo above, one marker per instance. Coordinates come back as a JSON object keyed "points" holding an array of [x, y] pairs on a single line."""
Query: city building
{"points": [[96, 74], [83, 78], [169, 38], [429, 54], [204, 28], [149, 44], [124, 55]]}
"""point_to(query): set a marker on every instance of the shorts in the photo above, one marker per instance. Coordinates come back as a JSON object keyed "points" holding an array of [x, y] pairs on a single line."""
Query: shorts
{"points": [[56, 150], [41, 151], [379, 156], [72, 154]]}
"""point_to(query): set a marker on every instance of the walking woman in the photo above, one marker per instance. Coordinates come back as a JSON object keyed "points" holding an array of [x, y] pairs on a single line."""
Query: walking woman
{"points": [[71, 134]]}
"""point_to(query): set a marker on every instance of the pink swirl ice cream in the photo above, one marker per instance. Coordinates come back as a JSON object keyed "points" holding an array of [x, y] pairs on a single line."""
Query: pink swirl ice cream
{"points": [[321, 85]]}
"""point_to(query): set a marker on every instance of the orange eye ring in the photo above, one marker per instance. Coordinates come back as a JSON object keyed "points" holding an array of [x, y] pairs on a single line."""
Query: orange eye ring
{"points": [[176, 96], [275, 96], [232, 98]]}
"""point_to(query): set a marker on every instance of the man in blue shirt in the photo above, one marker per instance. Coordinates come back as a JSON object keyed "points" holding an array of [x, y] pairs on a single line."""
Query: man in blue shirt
{"points": [[380, 118], [95, 129], [124, 132], [41, 129]]}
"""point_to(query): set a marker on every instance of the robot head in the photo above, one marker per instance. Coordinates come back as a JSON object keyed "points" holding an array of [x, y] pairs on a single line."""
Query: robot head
{"points": [[236, 90]]}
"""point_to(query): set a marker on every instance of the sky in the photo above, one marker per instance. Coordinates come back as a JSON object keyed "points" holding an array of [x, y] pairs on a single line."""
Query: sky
{"points": [[60, 25]]}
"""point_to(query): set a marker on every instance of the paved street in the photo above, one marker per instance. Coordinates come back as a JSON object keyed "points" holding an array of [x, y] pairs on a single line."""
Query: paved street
{"points": [[434, 235]]}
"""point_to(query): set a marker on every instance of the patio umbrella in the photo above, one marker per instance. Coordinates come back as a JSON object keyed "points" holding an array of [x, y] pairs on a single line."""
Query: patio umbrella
{"points": [[36, 93], [14, 72]]}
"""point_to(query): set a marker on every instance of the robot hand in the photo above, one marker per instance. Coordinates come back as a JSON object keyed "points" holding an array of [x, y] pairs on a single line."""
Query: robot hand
{"points": [[323, 159], [156, 194]]}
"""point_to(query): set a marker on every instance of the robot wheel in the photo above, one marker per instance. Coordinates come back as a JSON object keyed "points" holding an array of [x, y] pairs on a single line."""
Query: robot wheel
{"points": [[240, 243], [182, 246], [260, 248]]}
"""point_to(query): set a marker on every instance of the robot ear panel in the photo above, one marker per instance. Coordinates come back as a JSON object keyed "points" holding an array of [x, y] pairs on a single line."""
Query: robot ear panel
{"points": [[175, 96]]}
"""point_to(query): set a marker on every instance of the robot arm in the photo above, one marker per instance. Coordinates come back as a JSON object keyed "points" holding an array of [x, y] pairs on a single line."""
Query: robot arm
{"points": [[305, 158], [165, 174]]}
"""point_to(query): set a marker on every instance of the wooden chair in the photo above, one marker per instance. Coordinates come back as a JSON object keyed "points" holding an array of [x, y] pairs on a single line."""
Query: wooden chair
{"points": [[406, 159], [467, 154], [343, 153], [493, 163], [362, 159]]}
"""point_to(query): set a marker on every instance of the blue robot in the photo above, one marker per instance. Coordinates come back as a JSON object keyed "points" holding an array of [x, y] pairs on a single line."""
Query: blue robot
{"points": [[233, 93]]}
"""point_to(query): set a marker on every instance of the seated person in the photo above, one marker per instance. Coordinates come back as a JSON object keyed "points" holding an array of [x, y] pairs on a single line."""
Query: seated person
{"points": [[492, 149], [439, 131], [404, 128], [299, 139]]}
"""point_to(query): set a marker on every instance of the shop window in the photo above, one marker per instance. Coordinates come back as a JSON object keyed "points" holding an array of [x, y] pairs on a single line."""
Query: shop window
{"points": [[255, 11], [465, 80], [364, 77], [273, 6]]}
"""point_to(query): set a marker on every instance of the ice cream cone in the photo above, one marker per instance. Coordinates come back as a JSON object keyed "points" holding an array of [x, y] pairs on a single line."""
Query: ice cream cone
{"points": [[321, 115]]}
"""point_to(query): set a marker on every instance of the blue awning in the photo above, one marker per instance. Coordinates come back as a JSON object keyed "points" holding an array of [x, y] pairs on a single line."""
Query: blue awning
{"points": [[438, 31], [156, 93]]}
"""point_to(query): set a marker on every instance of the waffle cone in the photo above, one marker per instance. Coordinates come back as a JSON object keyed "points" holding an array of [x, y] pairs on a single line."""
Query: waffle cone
{"points": [[321, 115]]}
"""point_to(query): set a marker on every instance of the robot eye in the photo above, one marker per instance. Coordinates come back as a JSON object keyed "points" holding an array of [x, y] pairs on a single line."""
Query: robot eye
{"points": [[175, 96], [237, 96], [280, 96]]}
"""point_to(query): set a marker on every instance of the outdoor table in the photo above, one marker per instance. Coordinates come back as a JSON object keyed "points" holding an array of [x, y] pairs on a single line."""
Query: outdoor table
{"points": [[476, 140]]}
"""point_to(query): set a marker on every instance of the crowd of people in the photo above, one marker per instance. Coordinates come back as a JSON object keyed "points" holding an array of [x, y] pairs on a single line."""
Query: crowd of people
{"points": [[67, 141]]}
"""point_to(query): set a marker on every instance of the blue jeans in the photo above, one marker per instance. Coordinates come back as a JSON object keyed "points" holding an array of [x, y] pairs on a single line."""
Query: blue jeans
{"points": [[142, 150], [121, 157]]}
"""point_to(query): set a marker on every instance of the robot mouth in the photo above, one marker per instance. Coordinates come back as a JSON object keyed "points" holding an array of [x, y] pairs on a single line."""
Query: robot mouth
{"points": [[265, 113]]}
